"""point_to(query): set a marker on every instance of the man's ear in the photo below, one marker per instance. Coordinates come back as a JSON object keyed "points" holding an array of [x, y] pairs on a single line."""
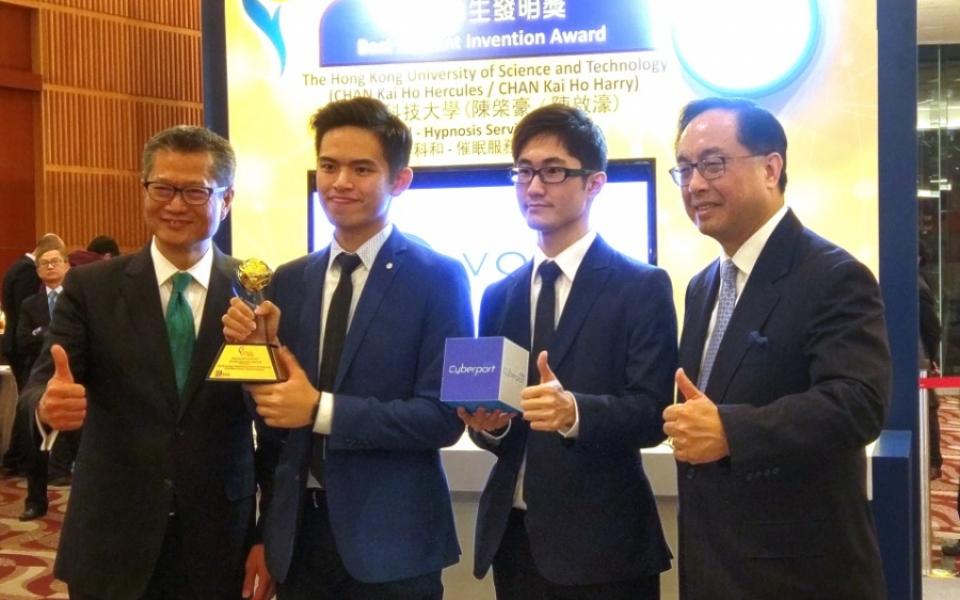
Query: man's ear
{"points": [[401, 181], [595, 183]]}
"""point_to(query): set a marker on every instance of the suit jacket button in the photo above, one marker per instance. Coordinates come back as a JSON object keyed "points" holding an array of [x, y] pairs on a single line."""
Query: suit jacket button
{"points": [[691, 473], [749, 476], [179, 431]]}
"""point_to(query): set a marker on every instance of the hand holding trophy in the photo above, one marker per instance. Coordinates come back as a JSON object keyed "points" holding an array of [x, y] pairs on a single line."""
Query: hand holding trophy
{"points": [[250, 326]]}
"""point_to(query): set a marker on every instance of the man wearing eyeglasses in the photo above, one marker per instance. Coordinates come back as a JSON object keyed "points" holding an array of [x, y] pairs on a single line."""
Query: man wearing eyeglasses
{"points": [[784, 376], [35, 313], [567, 511], [162, 504]]}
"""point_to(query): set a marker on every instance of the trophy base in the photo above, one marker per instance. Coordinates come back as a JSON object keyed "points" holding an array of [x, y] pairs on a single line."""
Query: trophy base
{"points": [[247, 363]]}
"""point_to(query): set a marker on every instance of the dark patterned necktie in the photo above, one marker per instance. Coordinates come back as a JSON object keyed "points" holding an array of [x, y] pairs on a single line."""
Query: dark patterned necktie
{"points": [[543, 322], [334, 335]]}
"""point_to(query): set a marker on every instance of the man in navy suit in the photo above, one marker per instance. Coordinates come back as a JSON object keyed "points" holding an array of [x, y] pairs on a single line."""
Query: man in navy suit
{"points": [[567, 511], [362, 509], [784, 336], [35, 313]]}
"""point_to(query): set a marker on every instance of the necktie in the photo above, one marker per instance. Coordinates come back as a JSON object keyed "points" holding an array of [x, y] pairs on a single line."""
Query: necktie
{"points": [[727, 300], [180, 328], [334, 334], [52, 301], [543, 322]]}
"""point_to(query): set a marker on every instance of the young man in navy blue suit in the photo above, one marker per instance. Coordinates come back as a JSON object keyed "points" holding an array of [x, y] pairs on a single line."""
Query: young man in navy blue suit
{"points": [[785, 338], [567, 511], [362, 505]]}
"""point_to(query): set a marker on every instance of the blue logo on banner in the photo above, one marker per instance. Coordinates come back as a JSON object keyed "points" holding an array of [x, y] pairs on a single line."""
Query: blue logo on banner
{"points": [[269, 25], [357, 32]]}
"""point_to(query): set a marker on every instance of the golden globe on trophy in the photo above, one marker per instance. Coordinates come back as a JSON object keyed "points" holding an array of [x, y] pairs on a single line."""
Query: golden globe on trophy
{"points": [[249, 362]]}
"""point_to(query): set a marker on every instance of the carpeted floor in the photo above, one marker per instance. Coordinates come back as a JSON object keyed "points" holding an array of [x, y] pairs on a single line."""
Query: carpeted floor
{"points": [[27, 549], [943, 491]]}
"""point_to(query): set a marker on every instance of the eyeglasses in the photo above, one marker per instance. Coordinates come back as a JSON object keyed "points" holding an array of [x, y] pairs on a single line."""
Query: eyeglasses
{"points": [[712, 167], [53, 262], [524, 175], [192, 194]]}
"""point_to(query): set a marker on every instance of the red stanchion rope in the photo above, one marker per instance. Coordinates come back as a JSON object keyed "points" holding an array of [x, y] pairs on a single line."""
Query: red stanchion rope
{"points": [[932, 383]]}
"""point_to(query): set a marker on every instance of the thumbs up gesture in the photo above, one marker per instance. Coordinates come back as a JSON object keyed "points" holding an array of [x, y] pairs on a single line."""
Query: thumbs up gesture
{"points": [[547, 406], [695, 426], [63, 405], [288, 404]]}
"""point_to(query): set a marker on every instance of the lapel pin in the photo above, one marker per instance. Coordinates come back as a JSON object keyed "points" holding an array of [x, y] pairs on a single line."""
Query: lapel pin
{"points": [[389, 265]]}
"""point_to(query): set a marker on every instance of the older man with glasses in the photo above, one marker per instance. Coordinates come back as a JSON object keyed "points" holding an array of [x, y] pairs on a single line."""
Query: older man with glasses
{"points": [[163, 499], [785, 373]]}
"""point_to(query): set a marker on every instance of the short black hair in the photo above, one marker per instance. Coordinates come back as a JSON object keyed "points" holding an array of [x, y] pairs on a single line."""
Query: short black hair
{"points": [[104, 244], [579, 135], [757, 129], [189, 139], [372, 115]]}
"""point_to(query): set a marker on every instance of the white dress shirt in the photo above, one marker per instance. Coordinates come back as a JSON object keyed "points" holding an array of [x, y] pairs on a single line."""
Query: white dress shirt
{"points": [[745, 258]]}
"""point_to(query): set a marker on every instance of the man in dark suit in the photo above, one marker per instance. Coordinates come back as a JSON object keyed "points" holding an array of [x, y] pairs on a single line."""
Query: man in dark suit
{"points": [[35, 313], [567, 511], [361, 505], [20, 282], [163, 496], [785, 337]]}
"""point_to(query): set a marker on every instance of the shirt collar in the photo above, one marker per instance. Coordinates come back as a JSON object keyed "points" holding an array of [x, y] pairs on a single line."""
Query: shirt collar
{"points": [[367, 251], [57, 289], [745, 258], [569, 258], [200, 271]]}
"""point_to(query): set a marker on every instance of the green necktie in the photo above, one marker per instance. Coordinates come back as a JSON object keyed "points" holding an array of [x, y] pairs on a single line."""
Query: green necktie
{"points": [[180, 328]]}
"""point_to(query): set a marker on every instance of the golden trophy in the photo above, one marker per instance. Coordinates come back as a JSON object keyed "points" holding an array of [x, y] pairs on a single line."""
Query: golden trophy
{"points": [[249, 362]]}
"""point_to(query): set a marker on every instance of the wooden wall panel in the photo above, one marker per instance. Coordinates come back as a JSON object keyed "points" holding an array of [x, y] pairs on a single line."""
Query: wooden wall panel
{"points": [[114, 73], [88, 130], [86, 205], [120, 57]]}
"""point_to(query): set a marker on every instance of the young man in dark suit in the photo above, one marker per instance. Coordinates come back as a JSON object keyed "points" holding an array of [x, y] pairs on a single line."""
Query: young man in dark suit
{"points": [[567, 511], [361, 505], [35, 313], [784, 336], [163, 497]]}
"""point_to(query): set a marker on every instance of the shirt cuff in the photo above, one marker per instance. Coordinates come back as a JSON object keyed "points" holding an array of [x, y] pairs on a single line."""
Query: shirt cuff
{"points": [[324, 421], [47, 437], [574, 430], [495, 439]]}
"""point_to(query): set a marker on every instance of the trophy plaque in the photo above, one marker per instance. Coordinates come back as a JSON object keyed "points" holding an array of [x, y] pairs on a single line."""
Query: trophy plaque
{"points": [[249, 362]]}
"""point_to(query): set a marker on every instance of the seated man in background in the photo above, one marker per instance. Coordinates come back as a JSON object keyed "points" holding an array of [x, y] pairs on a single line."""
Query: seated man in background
{"points": [[35, 314]]}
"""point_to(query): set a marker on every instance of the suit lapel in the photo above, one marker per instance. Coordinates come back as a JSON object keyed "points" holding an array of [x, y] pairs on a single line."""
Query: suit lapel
{"points": [[757, 301], [308, 350], [389, 261], [210, 337], [590, 280], [514, 320], [145, 313]]}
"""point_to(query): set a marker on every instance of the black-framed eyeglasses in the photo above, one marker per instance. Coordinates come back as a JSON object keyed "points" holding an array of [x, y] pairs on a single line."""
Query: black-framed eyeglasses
{"points": [[53, 262], [192, 194], [549, 174], [712, 167]]}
